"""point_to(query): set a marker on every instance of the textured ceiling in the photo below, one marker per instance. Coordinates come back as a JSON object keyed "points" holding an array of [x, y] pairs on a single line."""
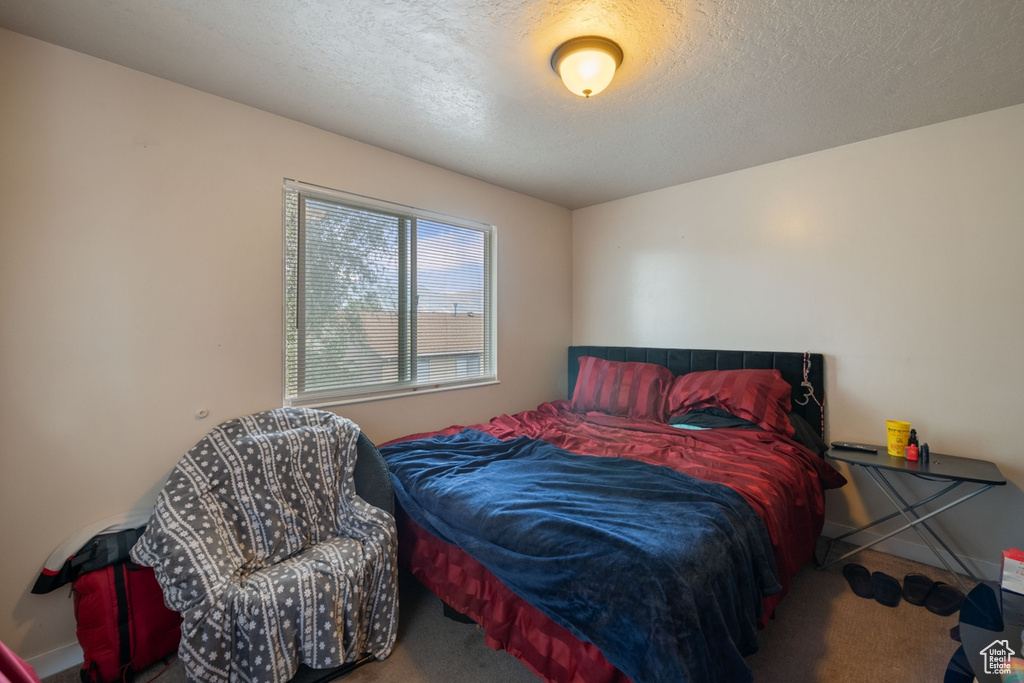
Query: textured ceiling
{"points": [[706, 86]]}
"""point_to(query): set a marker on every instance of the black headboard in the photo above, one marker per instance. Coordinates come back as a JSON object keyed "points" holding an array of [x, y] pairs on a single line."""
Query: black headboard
{"points": [[681, 361]]}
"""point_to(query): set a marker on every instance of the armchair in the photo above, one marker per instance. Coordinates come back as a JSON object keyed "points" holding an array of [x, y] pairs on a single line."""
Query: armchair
{"points": [[260, 540]]}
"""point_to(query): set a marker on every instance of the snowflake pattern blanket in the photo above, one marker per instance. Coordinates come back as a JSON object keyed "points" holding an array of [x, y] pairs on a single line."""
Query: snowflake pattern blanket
{"points": [[259, 540]]}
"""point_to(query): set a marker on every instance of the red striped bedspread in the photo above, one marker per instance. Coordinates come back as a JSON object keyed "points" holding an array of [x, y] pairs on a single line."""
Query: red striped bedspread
{"points": [[783, 481]]}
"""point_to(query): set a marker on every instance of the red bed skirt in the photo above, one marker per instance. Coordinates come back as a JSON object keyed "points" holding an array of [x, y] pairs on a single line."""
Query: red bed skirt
{"points": [[508, 621]]}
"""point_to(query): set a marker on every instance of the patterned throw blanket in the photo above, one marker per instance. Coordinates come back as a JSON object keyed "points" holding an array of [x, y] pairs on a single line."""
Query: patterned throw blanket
{"points": [[259, 539]]}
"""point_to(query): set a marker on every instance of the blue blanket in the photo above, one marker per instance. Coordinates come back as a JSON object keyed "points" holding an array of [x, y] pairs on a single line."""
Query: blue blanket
{"points": [[664, 573]]}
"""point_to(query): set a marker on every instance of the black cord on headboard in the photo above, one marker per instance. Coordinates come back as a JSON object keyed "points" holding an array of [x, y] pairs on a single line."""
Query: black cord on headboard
{"points": [[808, 401]]}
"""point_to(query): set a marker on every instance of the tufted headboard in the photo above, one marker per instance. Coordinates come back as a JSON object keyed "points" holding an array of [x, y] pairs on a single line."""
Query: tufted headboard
{"points": [[791, 364]]}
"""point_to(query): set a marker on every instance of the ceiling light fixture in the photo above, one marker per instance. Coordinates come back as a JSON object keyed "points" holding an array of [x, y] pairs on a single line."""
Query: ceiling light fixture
{"points": [[586, 64]]}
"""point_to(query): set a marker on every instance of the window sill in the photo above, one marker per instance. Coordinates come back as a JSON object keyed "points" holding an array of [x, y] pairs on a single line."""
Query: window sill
{"points": [[402, 393]]}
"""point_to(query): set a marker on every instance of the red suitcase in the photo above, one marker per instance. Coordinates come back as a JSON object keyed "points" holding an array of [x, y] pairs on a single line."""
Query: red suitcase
{"points": [[123, 623]]}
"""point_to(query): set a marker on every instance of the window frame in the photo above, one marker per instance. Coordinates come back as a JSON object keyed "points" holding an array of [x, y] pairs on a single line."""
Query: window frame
{"points": [[407, 341]]}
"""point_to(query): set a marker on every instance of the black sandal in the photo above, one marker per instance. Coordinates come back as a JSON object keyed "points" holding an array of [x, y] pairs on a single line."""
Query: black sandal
{"points": [[859, 579], [916, 588], [944, 599], [887, 589]]}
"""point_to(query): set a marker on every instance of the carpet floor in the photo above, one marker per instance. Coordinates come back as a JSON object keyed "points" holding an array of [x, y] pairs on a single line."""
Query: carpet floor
{"points": [[821, 632]]}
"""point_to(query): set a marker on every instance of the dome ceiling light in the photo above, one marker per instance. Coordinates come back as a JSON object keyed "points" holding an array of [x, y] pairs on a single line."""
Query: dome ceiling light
{"points": [[586, 64]]}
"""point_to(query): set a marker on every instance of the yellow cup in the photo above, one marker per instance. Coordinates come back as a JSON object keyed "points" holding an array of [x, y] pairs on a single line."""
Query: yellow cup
{"points": [[898, 433]]}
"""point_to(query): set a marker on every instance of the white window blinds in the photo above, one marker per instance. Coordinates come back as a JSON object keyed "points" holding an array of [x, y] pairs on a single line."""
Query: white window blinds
{"points": [[382, 299]]}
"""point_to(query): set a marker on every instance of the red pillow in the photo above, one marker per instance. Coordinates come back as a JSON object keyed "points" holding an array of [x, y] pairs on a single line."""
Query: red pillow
{"points": [[761, 396], [635, 390]]}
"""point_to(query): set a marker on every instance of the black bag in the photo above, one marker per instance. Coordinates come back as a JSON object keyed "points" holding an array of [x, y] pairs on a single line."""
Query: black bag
{"points": [[101, 551]]}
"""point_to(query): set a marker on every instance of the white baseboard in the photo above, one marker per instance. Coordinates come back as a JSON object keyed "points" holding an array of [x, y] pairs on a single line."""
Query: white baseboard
{"points": [[918, 552], [52, 662]]}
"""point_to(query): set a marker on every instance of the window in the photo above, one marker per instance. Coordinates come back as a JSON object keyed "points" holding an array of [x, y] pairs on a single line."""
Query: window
{"points": [[383, 299]]}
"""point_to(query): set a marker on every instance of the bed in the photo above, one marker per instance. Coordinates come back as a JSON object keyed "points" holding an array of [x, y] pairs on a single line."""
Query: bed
{"points": [[642, 529]]}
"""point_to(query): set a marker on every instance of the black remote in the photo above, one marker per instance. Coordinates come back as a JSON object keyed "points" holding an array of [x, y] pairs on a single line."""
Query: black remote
{"points": [[847, 446]]}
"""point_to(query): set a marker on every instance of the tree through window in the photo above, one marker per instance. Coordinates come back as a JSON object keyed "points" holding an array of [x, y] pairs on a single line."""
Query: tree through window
{"points": [[382, 298]]}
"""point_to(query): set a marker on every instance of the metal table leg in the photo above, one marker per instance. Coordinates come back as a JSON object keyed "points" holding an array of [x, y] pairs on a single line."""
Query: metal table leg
{"points": [[825, 561], [917, 520], [930, 530], [914, 520]]}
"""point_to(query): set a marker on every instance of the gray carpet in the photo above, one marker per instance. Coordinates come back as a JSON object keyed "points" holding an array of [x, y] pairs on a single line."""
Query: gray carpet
{"points": [[821, 632]]}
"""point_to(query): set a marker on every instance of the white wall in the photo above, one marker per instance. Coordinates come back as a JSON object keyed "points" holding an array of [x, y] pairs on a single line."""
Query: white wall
{"points": [[140, 280], [898, 257]]}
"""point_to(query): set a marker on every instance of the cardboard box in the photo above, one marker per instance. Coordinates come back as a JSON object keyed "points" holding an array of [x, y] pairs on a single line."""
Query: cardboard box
{"points": [[1013, 571]]}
